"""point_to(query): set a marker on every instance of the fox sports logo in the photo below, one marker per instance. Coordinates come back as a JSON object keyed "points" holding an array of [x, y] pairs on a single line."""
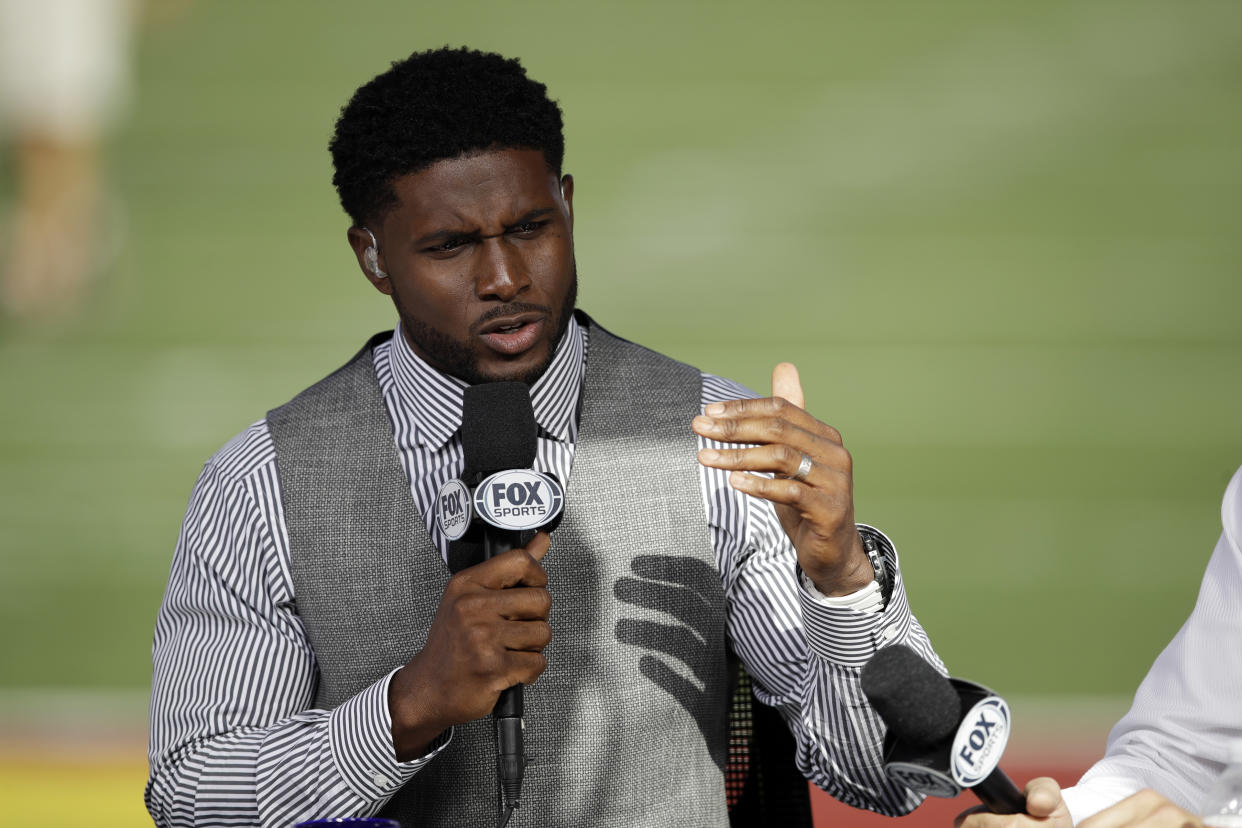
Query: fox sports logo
{"points": [[453, 509], [519, 499], [980, 741]]}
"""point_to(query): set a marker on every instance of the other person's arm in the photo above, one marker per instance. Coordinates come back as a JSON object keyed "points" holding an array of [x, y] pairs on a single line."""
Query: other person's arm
{"points": [[1175, 737]]}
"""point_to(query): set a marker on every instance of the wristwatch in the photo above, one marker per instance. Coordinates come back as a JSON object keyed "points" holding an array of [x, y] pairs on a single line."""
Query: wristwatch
{"points": [[875, 544]]}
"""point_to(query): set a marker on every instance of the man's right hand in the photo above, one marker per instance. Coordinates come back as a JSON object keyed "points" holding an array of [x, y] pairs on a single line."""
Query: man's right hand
{"points": [[488, 635]]}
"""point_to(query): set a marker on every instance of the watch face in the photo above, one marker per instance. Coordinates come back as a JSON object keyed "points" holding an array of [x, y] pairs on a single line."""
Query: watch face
{"points": [[872, 547]]}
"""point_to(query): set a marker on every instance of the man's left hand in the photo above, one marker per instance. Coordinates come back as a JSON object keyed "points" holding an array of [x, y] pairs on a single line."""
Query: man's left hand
{"points": [[816, 506]]}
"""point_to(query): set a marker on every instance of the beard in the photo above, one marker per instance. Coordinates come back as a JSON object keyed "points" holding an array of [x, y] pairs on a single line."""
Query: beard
{"points": [[455, 357]]}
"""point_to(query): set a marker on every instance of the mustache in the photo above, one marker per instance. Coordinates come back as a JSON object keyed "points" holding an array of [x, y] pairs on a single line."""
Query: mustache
{"points": [[510, 309]]}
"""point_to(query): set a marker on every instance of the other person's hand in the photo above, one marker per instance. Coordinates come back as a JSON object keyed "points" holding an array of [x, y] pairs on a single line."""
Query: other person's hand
{"points": [[488, 635], [1145, 809], [813, 486], [1044, 805], [1046, 809]]}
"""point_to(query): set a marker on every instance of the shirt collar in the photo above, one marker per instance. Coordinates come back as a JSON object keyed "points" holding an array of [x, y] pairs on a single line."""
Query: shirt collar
{"points": [[433, 400]]}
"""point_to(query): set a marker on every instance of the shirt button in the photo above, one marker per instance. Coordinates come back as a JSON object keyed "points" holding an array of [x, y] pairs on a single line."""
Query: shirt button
{"points": [[888, 634], [380, 780]]}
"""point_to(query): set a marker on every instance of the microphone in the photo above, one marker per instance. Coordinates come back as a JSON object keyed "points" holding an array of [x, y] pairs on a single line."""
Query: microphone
{"points": [[944, 734], [499, 439]]}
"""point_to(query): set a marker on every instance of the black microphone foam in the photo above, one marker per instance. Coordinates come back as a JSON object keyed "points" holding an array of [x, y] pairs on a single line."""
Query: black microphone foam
{"points": [[918, 704], [498, 433], [498, 429]]}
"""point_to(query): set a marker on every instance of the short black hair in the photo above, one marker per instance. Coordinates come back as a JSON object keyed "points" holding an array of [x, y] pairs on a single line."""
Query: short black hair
{"points": [[432, 106]]}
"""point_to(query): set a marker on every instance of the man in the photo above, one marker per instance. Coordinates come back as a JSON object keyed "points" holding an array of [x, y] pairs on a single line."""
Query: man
{"points": [[313, 656], [1168, 750]]}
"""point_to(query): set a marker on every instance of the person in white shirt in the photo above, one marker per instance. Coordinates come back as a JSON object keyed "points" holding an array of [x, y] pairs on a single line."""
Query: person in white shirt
{"points": [[1168, 750]]}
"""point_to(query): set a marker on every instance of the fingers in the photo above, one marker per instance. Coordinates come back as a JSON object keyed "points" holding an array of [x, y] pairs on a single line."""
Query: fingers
{"points": [[526, 636], [1043, 796], [517, 567], [539, 545], [514, 655], [763, 420], [524, 668], [979, 817], [826, 508], [488, 634], [521, 603], [1145, 808], [1044, 805], [815, 503], [832, 468], [963, 820], [787, 384]]}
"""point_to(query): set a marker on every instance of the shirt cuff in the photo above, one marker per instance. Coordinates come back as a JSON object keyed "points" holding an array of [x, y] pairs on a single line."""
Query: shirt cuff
{"points": [[1087, 800], [867, 599], [848, 636], [360, 736]]}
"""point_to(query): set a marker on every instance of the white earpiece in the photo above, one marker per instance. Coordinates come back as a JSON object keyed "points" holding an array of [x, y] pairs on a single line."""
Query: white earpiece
{"points": [[371, 256]]}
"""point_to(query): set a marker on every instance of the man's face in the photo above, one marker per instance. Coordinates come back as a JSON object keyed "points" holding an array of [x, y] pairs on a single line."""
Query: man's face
{"points": [[480, 261]]}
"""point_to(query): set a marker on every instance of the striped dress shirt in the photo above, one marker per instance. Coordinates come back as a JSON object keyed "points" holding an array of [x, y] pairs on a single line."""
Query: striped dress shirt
{"points": [[234, 739]]}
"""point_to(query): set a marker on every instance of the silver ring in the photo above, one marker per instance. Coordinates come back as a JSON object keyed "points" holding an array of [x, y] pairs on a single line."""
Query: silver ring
{"points": [[804, 468]]}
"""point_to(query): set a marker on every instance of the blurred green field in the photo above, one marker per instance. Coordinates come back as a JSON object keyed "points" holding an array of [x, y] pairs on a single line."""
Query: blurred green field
{"points": [[1000, 239]]}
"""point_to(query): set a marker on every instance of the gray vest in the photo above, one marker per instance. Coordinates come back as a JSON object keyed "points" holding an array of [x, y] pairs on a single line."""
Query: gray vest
{"points": [[627, 727]]}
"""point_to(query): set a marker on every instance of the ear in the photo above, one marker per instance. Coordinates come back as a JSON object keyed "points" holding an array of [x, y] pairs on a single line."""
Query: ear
{"points": [[360, 241], [567, 194]]}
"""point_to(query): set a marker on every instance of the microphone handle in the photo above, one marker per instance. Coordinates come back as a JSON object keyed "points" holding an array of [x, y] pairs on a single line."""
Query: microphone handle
{"points": [[998, 792], [508, 712]]}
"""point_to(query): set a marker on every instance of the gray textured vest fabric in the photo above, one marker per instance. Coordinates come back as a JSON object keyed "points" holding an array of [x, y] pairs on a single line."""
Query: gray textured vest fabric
{"points": [[627, 727]]}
